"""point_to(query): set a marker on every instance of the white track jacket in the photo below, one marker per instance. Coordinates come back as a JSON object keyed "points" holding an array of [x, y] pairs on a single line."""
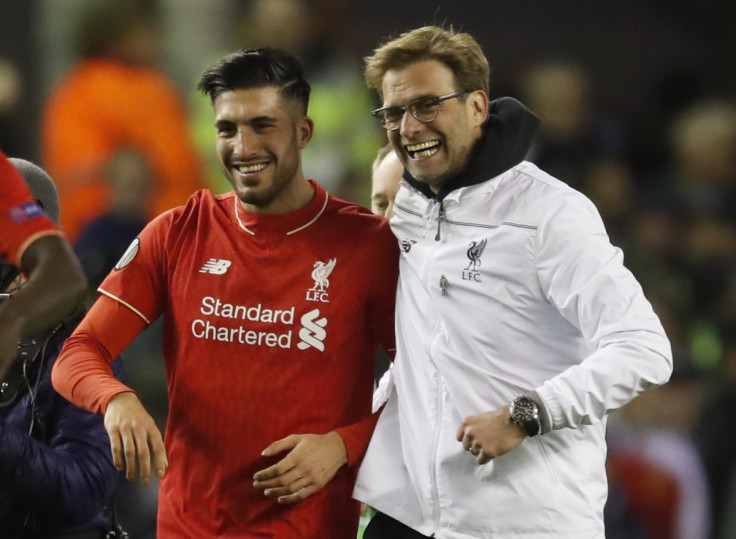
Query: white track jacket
{"points": [[508, 286]]}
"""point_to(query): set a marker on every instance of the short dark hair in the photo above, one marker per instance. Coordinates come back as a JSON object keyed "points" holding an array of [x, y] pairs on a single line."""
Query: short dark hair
{"points": [[255, 68]]}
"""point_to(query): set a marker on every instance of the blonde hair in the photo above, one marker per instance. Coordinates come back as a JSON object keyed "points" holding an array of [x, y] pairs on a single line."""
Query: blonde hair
{"points": [[458, 51]]}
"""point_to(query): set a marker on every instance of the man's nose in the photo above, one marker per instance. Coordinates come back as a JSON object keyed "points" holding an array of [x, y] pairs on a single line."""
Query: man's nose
{"points": [[244, 142], [409, 124]]}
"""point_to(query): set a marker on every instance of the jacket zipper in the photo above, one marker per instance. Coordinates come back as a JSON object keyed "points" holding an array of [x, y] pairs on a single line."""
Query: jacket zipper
{"points": [[440, 218], [435, 445]]}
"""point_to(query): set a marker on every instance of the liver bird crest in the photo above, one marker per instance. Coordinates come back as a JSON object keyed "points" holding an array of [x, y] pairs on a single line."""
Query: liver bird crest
{"points": [[321, 272], [474, 253]]}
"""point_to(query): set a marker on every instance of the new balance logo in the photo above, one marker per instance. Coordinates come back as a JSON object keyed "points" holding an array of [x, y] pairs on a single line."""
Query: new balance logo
{"points": [[215, 266], [312, 333], [406, 245]]}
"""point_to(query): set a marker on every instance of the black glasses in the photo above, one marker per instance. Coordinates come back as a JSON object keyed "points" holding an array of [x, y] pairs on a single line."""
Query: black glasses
{"points": [[425, 110]]}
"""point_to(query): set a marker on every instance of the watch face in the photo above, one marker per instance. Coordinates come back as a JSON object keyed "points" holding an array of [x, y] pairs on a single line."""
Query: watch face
{"points": [[525, 413], [524, 409]]}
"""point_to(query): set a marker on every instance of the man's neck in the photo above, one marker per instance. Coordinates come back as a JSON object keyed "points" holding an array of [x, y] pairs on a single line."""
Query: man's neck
{"points": [[294, 197]]}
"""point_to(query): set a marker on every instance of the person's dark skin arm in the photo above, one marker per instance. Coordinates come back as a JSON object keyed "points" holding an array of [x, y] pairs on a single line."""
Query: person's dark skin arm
{"points": [[55, 285]]}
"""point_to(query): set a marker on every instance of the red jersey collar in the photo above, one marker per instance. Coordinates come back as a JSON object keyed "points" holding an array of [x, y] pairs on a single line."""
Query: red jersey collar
{"points": [[286, 223]]}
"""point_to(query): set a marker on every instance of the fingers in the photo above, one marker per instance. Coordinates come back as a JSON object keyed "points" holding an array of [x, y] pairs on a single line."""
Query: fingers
{"points": [[143, 455], [268, 479], [483, 458], [285, 444], [298, 496], [282, 466], [145, 442], [466, 435], [160, 460], [288, 487], [134, 439], [311, 462], [133, 451], [295, 491], [116, 448], [131, 456]]}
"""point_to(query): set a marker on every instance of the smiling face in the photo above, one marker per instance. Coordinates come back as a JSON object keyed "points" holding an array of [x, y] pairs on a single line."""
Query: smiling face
{"points": [[260, 136], [435, 151]]}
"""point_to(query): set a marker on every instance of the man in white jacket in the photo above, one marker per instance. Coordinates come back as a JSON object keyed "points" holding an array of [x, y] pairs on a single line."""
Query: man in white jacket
{"points": [[518, 326]]}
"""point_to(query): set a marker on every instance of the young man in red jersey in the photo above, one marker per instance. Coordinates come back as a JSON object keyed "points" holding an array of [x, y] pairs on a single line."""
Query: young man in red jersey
{"points": [[276, 297], [31, 243]]}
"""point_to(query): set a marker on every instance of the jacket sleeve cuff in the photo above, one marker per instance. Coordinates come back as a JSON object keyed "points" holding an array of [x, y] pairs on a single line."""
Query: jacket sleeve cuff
{"points": [[545, 419]]}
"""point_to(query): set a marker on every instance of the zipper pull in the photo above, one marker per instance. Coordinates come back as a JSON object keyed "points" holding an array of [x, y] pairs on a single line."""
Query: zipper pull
{"points": [[443, 285], [440, 218]]}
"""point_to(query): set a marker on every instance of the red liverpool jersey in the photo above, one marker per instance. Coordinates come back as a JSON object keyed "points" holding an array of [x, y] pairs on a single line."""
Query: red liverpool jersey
{"points": [[271, 327], [22, 220]]}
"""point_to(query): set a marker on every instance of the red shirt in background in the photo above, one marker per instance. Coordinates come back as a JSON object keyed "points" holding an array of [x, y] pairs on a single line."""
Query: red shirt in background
{"points": [[22, 220]]}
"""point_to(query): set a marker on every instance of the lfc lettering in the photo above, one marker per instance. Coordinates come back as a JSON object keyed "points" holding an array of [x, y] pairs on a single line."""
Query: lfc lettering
{"points": [[470, 275], [317, 295]]}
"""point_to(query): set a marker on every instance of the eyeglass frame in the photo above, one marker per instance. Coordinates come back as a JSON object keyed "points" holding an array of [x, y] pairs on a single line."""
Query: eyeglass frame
{"points": [[411, 107]]}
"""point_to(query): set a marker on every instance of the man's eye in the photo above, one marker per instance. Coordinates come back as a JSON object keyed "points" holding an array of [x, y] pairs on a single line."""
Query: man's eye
{"points": [[225, 130], [393, 114], [260, 126], [424, 106]]}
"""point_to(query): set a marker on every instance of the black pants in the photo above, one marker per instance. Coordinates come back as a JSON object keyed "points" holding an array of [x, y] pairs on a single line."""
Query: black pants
{"points": [[384, 527]]}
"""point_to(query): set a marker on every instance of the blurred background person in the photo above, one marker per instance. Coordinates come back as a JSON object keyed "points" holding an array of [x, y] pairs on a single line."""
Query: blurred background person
{"points": [[13, 124], [386, 173], [116, 97], [697, 186], [572, 132], [716, 437], [609, 182], [655, 469], [100, 245], [56, 473], [104, 239]]}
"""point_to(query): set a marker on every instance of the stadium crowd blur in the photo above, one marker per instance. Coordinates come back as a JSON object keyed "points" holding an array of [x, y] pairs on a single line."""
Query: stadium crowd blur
{"points": [[638, 110]]}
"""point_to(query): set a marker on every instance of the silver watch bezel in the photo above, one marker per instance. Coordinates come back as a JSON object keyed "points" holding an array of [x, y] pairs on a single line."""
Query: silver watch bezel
{"points": [[524, 412]]}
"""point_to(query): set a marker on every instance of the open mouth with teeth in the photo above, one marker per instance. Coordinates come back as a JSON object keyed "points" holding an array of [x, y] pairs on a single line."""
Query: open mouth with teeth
{"points": [[423, 149], [250, 169]]}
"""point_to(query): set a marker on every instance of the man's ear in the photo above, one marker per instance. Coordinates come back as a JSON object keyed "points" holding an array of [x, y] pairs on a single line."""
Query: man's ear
{"points": [[478, 107], [304, 131]]}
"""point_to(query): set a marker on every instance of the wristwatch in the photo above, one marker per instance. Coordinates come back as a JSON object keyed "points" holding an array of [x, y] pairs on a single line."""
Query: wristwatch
{"points": [[524, 412]]}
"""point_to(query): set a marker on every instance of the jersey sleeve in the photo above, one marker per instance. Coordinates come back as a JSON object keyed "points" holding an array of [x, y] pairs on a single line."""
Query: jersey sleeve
{"points": [[356, 438], [82, 373], [22, 219], [139, 280], [385, 274], [132, 297]]}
